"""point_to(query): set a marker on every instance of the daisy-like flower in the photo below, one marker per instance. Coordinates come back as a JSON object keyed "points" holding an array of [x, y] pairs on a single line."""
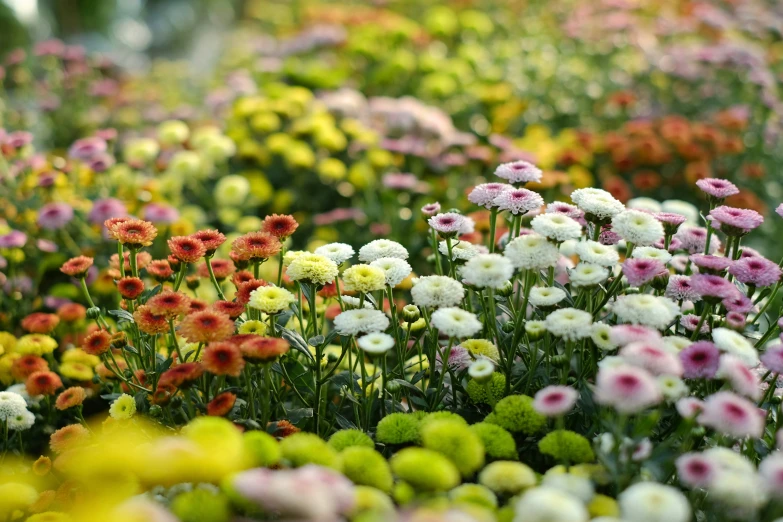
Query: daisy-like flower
{"points": [[97, 343], [256, 246], [222, 268], [352, 303], [734, 221], [487, 271], [736, 320], [211, 239], [716, 265], [170, 304], [271, 299], [736, 344], [519, 172], [672, 387], [68, 437], [459, 359], [447, 225], [532, 252], [364, 278], [626, 388], [695, 470], [481, 370], [77, 266], [571, 324], [39, 322], [27, 365], [43, 383], [756, 271], [312, 269], [679, 288], [630, 333], [396, 269], [595, 253], [222, 404], [646, 310], [637, 227], [437, 291], [281, 226], [134, 233], [124, 407], [160, 270], [546, 297], [430, 209], [717, 188], [713, 288], [352, 322], [651, 502], [382, 248], [70, 398], [535, 329], [654, 358], [223, 358], [54, 216], [460, 250], [518, 201], [557, 227], [732, 415], [740, 303], [587, 275], [206, 326], [182, 375], [337, 252], [601, 335], [263, 349], [741, 379], [150, 322], [694, 239], [642, 271], [572, 211], [671, 221], [657, 254], [691, 321], [700, 360], [484, 195], [456, 322], [246, 288], [375, 343], [689, 407], [598, 205], [555, 401], [773, 358], [21, 421]]}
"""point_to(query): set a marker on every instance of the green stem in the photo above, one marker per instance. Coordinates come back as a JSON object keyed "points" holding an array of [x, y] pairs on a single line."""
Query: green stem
{"points": [[212, 278]]}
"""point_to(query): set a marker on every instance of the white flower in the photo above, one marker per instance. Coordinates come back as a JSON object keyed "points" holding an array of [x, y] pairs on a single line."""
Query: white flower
{"points": [[672, 387], [382, 248], [597, 202], [652, 502], [545, 504], [532, 252], [743, 494], [684, 208], [21, 421], [730, 461], [481, 369], [376, 343], [546, 296], [652, 253], [396, 269], [648, 310], [600, 335], [736, 344], [337, 252], [437, 291], [569, 323], [535, 328], [597, 254], [456, 322], [568, 248], [352, 322], [487, 271], [11, 405], [351, 302], [576, 485], [460, 250], [637, 227], [587, 274], [557, 227], [676, 343], [644, 204]]}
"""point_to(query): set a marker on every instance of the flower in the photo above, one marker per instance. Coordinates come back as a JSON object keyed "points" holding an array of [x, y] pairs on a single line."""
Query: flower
{"points": [[569, 446], [312, 268], [653, 357], [597, 254], [601, 335], [36, 344], [424, 469], [547, 504], [487, 271], [657, 254], [700, 360], [571, 324], [506, 477], [77, 266], [481, 370], [519, 172], [532, 252], [396, 269], [741, 379], [222, 404], [771, 472], [280, 225], [270, 299], [554, 401], [460, 250], [211, 239], [455, 322], [642, 271], [437, 291], [694, 240], [246, 288], [22, 421], [679, 288], [352, 322], [381, 248], [734, 221], [124, 407], [43, 383], [255, 246], [130, 287], [182, 375], [716, 265], [447, 225], [68, 437], [375, 343], [717, 188], [134, 233], [736, 344], [689, 407], [712, 286], [263, 349], [70, 398], [206, 326], [596, 203], [364, 278], [557, 227], [430, 209], [54, 216], [223, 358], [168, 303], [626, 388], [773, 358], [150, 322], [39, 322], [518, 201], [651, 502], [696, 470], [646, 310], [484, 195], [733, 415], [546, 297], [756, 271], [11, 404], [739, 303], [337, 252], [637, 227]]}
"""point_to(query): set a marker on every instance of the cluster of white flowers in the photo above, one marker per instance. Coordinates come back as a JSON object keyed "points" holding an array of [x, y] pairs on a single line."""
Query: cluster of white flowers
{"points": [[14, 412]]}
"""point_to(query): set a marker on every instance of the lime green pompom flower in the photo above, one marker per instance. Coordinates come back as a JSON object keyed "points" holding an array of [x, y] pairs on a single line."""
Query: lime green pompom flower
{"points": [[487, 392], [442, 415], [507, 478], [516, 414], [425, 470], [569, 446], [475, 494], [498, 443], [398, 428], [371, 504], [263, 449], [306, 448], [457, 442], [366, 467], [350, 438], [201, 505]]}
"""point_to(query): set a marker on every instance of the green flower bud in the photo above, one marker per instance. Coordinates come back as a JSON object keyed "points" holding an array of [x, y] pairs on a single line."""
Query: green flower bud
{"points": [[506, 290], [93, 312], [410, 313]]}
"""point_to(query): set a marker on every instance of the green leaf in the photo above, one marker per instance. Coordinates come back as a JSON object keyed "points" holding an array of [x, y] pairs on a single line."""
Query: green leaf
{"points": [[122, 315], [297, 342]]}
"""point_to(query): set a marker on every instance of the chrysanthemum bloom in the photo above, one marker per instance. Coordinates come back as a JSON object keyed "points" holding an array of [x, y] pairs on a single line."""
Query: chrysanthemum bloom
{"points": [[740, 303], [243, 276], [546, 297], [211, 239], [198, 305], [71, 312], [232, 309], [123, 408], [256, 246], [654, 358], [169, 304], [652, 502], [773, 358], [771, 472], [733, 415], [163, 394], [54, 216], [597, 254], [437, 291], [557, 227], [484, 194], [708, 264], [313, 269], [379, 248], [160, 270], [134, 233], [691, 321], [246, 289], [142, 260], [519, 172], [271, 299], [694, 239], [572, 211], [221, 405], [700, 360], [626, 388], [569, 323], [689, 407], [717, 189], [97, 343], [519, 201], [27, 365], [741, 379], [532, 252], [77, 266], [39, 322], [223, 358], [671, 221], [735, 221], [598, 205], [736, 321], [364, 278], [554, 401], [70, 398], [447, 225], [430, 209], [648, 252], [395, 269], [150, 322], [487, 271], [186, 248], [713, 288], [105, 209], [43, 383], [679, 288], [756, 271], [642, 271], [68, 437], [637, 227], [263, 349], [206, 326], [695, 470], [130, 287], [280, 225], [352, 322], [337, 252], [376, 343], [736, 344]]}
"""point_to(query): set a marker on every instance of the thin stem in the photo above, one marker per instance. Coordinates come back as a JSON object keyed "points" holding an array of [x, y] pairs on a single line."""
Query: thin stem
{"points": [[212, 278]]}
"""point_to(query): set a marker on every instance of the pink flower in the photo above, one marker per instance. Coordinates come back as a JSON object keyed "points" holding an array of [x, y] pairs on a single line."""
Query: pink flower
{"points": [[757, 271], [739, 303], [623, 334], [101, 162], [572, 211], [484, 195], [690, 322], [671, 221], [399, 181], [730, 414], [674, 245], [626, 388], [746, 251], [86, 148], [652, 357], [679, 288], [689, 407], [742, 380], [642, 271], [711, 264], [519, 172], [608, 236], [695, 470], [13, 239], [694, 240], [448, 224], [54, 216], [773, 358], [717, 188], [736, 321], [713, 286], [700, 360], [518, 201], [158, 213], [771, 471], [104, 209], [735, 221], [779, 210], [459, 359], [554, 401], [430, 209]]}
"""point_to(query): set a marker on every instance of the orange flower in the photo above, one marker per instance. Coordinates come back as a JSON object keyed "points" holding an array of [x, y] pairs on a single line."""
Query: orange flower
{"points": [[43, 383], [73, 396], [230, 308], [646, 180], [77, 266], [285, 428], [264, 349], [221, 405], [245, 289], [182, 375], [72, 312], [169, 304], [223, 268], [186, 249], [242, 276], [256, 246], [223, 358], [111, 223], [26, 365], [135, 233], [150, 322], [42, 466], [160, 270], [97, 343], [40, 322], [198, 305], [279, 225], [68, 437], [130, 287], [211, 239], [163, 394], [206, 326]]}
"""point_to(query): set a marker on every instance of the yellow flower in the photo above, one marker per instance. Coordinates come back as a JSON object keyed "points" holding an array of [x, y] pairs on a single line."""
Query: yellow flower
{"points": [[364, 278], [252, 327], [231, 190], [331, 169], [603, 506], [141, 150], [361, 175], [76, 371], [7, 342], [380, 158], [260, 187], [299, 155], [78, 355], [15, 495], [271, 299], [265, 122], [481, 347], [6, 361], [123, 408], [173, 132], [35, 344]]}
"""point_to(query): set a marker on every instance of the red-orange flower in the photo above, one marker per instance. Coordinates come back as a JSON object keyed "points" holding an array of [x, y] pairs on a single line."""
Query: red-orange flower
{"points": [[198, 305], [113, 222], [150, 322], [222, 404], [232, 309], [73, 396], [43, 383], [26, 365], [280, 225], [72, 312], [223, 358], [238, 339], [206, 326], [39, 322], [68, 437], [186, 248], [222, 268], [211, 239], [160, 270], [130, 287], [245, 289], [264, 349], [42, 466], [169, 304], [285, 428], [135, 233], [256, 246], [142, 260], [182, 375], [242, 276], [163, 394], [77, 266], [97, 343]]}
